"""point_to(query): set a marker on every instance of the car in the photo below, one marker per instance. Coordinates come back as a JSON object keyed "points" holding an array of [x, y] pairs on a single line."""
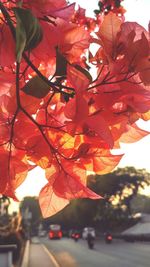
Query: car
{"points": [[55, 231], [88, 230]]}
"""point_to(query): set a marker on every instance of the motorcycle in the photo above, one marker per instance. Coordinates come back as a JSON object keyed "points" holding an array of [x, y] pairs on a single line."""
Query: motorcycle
{"points": [[76, 237], [108, 238], [90, 241]]}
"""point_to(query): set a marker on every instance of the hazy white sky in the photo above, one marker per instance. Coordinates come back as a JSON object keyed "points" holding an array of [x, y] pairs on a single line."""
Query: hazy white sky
{"points": [[137, 154], [137, 10]]}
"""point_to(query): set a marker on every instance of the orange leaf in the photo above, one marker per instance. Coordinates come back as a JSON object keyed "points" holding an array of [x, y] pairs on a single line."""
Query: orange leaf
{"points": [[65, 183], [133, 134], [49, 202], [108, 33], [6, 57], [38, 151], [105, 164], [100, 126], [13, 171], [70, 183], [143, 67], [78, 79], [29, 103], [102, 161], [24, 129]]}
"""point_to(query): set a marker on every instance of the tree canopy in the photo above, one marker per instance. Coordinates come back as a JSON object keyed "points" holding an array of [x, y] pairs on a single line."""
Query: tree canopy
{"points": [[53, 113]]}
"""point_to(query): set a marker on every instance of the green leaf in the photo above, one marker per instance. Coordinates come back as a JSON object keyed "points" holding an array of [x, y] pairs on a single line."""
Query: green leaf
{"points": [[19, 4], [28, 31], [36, 87], [20, 39], [96, 11], [61, 64], [84, 71]]}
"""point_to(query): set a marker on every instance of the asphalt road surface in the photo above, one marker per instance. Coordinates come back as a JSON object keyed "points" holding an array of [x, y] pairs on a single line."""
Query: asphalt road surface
{"points": [[69, 253]]}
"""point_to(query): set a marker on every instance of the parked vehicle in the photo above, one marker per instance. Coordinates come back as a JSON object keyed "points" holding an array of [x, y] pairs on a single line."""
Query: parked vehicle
{"points": [[55, 231], [87, 231]]}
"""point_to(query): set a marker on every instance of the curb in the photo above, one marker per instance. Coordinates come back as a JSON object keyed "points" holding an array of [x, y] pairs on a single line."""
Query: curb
{"points": [[25, 260]]}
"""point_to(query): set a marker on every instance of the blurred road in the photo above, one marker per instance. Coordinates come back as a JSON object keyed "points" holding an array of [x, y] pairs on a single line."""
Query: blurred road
{"points": [[69, 253]]}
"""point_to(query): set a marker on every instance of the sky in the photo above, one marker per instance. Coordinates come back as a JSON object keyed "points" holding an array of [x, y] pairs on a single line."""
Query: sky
{"points": [[137, 154], [137, 10]]}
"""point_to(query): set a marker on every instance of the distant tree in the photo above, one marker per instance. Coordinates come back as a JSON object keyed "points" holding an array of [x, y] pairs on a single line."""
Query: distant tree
{"points": [[140, 203], [31, 212], [118, 189], [4, 205]]}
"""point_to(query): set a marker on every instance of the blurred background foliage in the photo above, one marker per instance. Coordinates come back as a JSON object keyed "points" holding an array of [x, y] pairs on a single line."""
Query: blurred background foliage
{"points": [[121, 200]]}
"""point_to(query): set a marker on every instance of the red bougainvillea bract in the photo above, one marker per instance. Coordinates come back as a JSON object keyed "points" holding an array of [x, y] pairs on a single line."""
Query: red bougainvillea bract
{"points": [[53, 114]]}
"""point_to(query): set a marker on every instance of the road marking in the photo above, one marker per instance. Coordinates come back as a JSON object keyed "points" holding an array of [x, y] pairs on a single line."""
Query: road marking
{"points": [[25, 260], [56, 264]]}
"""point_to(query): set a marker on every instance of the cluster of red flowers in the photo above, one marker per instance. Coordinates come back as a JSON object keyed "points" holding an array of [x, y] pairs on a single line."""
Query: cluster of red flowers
{"points": [[52, 113]]}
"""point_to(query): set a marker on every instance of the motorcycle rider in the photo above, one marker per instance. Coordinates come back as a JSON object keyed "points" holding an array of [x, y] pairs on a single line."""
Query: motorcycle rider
{"points": [[90, 240]]}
